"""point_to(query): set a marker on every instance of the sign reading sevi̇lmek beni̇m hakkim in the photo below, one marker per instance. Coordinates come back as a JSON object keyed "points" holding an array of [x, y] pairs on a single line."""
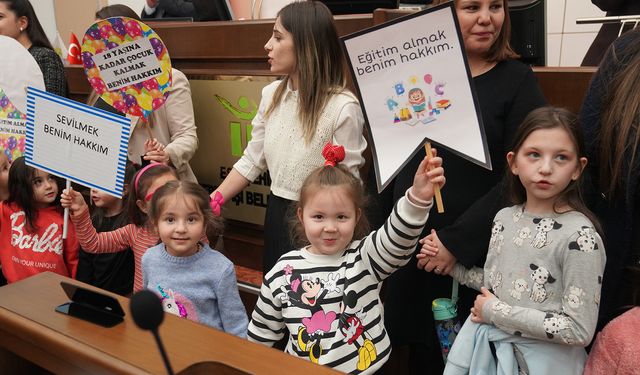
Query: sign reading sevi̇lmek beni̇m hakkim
{"points": [[414, 85], [80, 143]]}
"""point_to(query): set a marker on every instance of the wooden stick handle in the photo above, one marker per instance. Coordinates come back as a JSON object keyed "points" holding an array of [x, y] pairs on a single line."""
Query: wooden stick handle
{"points": [[438, 196], [65, 220]]}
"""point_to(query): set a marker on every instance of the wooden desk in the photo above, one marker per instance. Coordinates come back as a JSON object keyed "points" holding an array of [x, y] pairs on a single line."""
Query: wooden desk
{"points": [[30, 328]]}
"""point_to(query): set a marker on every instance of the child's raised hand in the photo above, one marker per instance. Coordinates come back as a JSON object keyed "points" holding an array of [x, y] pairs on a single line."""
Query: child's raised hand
{"points": [[429, 174], [72, 200], [481, 299]]}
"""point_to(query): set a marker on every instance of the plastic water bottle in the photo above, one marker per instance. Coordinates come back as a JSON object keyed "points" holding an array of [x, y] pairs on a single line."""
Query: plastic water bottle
{"points": [[445, 315]]}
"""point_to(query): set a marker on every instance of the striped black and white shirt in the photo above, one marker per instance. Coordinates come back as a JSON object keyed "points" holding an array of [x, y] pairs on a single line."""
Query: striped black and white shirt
{"points": [[330, 304]]}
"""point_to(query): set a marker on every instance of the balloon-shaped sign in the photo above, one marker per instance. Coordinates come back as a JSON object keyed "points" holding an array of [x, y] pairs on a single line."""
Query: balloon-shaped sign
{"points": [[127, 64], [24, 71]]}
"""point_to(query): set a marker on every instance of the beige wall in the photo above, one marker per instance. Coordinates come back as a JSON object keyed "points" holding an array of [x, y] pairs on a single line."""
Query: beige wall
{"points": [[568, 42], [75, 16]]}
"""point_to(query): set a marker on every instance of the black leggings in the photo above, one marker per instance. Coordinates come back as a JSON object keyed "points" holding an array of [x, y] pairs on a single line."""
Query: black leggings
{"points": [[277, 239]]}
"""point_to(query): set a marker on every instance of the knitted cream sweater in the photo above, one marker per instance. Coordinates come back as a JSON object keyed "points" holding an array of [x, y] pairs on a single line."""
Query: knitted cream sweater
{"points": [[277, 142]]}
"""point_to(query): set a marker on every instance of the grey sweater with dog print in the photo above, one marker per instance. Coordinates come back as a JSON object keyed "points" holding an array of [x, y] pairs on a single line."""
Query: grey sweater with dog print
{"points": [[546, 273]]}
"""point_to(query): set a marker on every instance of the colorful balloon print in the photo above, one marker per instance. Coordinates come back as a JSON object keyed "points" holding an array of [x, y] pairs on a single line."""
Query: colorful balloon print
{"points": [[138, 99], [11, 145]]}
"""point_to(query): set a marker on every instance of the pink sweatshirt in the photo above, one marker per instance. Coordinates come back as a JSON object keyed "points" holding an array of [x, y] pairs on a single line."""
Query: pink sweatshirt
{"points": [[617, 348]]}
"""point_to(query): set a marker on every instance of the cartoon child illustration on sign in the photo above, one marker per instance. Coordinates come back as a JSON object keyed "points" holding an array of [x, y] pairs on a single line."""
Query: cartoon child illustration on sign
{"points": [[417, 101]]}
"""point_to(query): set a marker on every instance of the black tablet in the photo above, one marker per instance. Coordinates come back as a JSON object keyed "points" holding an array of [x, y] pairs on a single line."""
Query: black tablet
{"points": [[91, 306]]}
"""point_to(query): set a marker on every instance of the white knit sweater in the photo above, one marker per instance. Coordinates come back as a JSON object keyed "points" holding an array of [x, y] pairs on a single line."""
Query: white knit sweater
{"points": [[277, 142]]}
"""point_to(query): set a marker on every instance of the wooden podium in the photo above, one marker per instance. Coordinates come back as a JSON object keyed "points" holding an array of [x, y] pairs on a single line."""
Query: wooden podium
{"points": [[31, 329]]}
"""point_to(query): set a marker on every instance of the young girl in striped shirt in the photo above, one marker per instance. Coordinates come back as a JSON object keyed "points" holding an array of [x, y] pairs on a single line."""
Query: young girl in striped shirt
{"points": [[139, 235], [326, 294]]}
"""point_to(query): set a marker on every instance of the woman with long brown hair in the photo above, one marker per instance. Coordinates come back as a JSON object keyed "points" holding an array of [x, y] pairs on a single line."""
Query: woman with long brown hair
{"points": [[297, 116], [610, 116]]}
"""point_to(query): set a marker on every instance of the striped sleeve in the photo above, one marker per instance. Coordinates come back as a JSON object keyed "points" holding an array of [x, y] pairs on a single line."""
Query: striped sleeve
{"points": [[267, 324], [103, 242], [391, 246]]}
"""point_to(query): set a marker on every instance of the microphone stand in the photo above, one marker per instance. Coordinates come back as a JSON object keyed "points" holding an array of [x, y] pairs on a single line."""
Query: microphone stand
{"points": [[165, 358]]}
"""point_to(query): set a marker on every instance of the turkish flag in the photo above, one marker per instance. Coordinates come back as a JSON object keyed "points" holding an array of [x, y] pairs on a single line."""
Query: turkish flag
{"points": [[73, 55]]}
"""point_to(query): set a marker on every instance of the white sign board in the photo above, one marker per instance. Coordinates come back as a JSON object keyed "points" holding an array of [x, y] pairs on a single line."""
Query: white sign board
{"points": [[414, 85], [18, 70], [128, 64], [77, 142]]}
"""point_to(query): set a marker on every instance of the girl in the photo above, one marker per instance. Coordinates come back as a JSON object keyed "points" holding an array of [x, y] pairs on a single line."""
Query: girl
{"points": [[297, 116], [541, 281], [18, 20], [193, 280], [112, 272], [31, 226], [326, 294], [139, 235]]}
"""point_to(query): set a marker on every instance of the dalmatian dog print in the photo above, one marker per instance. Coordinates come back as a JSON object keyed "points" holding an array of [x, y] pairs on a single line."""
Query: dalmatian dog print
{"points": [[554, 323], [543, 227], [540, 276], [586, 241], [497, 239]]}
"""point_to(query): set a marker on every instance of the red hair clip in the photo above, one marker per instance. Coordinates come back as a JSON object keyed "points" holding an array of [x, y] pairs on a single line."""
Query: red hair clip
{"points": [[333, 154]]}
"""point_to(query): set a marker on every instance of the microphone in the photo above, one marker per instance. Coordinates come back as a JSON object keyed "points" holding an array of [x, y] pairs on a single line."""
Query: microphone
{"points": [[146, 310]]}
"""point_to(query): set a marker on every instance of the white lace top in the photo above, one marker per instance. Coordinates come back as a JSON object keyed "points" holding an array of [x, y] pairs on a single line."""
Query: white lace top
{"points": [[277, 142]]}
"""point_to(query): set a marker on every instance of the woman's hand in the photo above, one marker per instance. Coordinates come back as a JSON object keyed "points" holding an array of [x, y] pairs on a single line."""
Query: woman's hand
{"points": [[73, 200], [481, 299], [440, 263], [154, 151], [152, 3], [429, 175]]}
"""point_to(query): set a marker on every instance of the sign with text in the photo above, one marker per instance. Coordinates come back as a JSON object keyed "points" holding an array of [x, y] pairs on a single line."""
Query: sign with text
{"points": [[414, 85], [128, 65], [77, 142]]}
